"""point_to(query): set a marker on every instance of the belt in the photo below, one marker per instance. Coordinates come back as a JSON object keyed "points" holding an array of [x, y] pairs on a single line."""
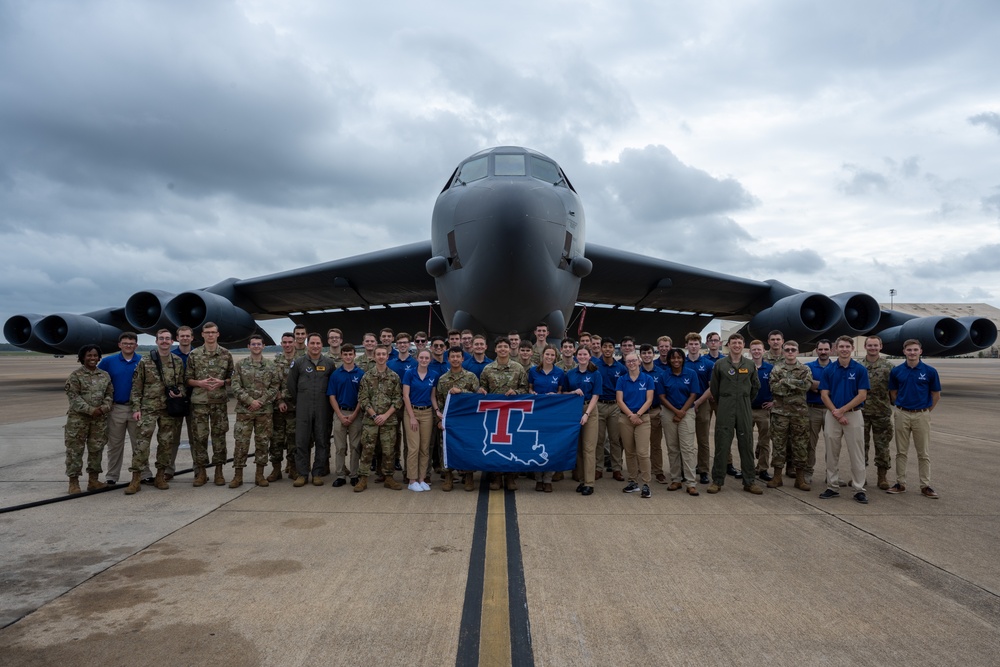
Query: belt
{"points": [[122, 402], [421, 407], [349, 408], [818, 405], [608, 402], [909, 410]]}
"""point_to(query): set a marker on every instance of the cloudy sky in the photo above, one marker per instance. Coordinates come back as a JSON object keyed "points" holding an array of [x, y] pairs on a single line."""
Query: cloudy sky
{"points": [[833, 146]]}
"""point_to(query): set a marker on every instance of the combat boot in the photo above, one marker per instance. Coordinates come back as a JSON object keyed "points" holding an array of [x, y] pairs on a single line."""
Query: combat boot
{"points": [[496, 479], [448, 482], [94, 484], [275, 474], [200, 478], [133, 486], [362, 484], [883, 483], [510, 479], [237, 478], [776, 480], [220, 479], [74, 484], [300, 481], [470, 485], [160, 482], [800, 481], [259, 479], [391, 483]]}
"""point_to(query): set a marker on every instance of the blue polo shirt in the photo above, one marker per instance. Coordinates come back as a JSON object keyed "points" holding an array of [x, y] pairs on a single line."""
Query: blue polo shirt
{"points": [[121, 373], [702, 368], [184, 357], [764, 395], [420, 390], [663, 366], [634, 391], [588, 382], [476, 367], [843, 383], [610, 373], [913, 386], [439, 367], [545, 383], [343, 385], [677, 388], [812, 397], [400, 367]]}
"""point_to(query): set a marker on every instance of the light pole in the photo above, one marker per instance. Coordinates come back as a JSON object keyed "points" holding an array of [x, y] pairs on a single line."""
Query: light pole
{"points": [[892, 295]]}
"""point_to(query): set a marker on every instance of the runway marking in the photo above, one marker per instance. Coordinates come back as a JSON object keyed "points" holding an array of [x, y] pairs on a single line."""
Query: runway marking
{"points": [[495, 610]]}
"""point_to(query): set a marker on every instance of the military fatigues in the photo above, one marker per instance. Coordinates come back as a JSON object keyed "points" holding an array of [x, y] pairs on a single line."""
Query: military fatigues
{"points": [[464, 380], [87, 390], [283, 423], [877, 412], [499, 379], [790, 415], [209, 409], [773, 359], [307, 382], [253, 381], [364, 362], [149, 398], [379, 391], [567, 365], [734, 386]]}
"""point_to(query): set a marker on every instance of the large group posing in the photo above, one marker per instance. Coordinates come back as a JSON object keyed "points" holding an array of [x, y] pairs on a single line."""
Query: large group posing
{"points": [[383, 409]]}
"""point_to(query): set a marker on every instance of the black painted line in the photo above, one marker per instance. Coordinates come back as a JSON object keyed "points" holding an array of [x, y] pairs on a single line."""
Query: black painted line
{"points": [[472, 607], [521, 653]]}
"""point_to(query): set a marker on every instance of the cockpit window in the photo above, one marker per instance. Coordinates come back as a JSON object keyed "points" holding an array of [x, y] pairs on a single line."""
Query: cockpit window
{"points": [[508, 165], [546, 171], [472, 170]]}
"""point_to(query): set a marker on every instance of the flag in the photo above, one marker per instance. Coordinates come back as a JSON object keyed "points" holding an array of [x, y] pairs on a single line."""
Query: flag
{"points": [[521, 433]]}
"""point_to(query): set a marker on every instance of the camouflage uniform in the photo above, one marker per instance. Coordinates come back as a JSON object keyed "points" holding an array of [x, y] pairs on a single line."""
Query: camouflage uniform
{"points": [[379, 391], [253, 381], [790, 414], [877, 412], [567, 365], [499, 379], [773, 359], [283, 423], [209, 409], [87, 390], [464, 380], [364, 362], [149, 397]]}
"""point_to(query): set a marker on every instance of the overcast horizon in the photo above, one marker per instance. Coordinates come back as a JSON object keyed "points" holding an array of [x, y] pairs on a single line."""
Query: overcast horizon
{"points": [[170, 145]]}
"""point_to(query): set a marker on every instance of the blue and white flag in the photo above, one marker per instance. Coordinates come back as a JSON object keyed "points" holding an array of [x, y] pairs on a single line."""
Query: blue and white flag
{"points": [[525, 432]]}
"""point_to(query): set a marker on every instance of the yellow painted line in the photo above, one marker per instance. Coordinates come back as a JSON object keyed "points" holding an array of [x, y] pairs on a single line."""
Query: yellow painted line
{"points": [[494, 628]]}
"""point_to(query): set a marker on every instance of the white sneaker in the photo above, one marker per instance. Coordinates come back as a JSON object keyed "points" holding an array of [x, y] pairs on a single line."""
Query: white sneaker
{"points": [[414, 486], [424, 486]]}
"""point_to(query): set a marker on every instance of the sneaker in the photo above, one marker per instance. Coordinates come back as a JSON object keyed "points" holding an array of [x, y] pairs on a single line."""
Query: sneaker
{"points": [[631, 488], [929, 492], [861, 497], [829, 493], [414, 486], [645, 491], [897, 488], [424, 486]]}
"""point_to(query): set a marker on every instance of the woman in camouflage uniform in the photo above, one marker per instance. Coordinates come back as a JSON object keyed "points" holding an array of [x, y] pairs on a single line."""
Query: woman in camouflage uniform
{"points": [[90, 398]]}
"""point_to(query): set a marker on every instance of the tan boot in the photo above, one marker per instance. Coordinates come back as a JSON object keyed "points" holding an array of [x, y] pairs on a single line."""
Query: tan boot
{"points": [[259, 478], [510, 479], [237, 478], [134, 485], [800, 481], [220, 479], [200, 478], [448, 484], [391, 483], [776, 480], [496, 480], [275, 474], [362, 484], [74, 484], [883, 483], [94, 484], [470, 484], [160, 482]]}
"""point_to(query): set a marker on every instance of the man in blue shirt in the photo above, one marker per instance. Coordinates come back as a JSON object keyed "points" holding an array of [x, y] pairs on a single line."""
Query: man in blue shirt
{"points": [[704, 405], [343, 393], [121, 367], [915, 389], [478, 360], [607, 408], [817, 411], [843, 388], [761, 409]]}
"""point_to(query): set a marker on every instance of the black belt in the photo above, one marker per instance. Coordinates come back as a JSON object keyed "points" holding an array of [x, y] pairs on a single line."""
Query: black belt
{"points": [[122, 402], [421, 407], [601, 400], [349, 408], [909, 410]]}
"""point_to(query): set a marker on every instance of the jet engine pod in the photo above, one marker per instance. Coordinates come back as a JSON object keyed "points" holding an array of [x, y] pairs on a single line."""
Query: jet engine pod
{"points": [[980, 333], [21, 330], [68, 333], [936, 335], [146, 311], [195, 308], [861, 314], [800, 317]]}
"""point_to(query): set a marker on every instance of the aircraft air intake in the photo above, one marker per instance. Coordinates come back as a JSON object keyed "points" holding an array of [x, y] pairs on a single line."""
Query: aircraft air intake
{"points": [[861, 314], [68, 332], [20, 330], [936, 335], [801, 317], [195, 308], [146, 311]]}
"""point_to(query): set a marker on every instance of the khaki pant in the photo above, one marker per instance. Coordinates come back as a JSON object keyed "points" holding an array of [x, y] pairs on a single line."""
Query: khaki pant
{"points": [[702, 428], [656, 438], [418, 443], [682, 448], [586, 456], [120, 422], [608, 414], [918, 426], [635, 442], [817, 419], [835, 434], [344, 436]]}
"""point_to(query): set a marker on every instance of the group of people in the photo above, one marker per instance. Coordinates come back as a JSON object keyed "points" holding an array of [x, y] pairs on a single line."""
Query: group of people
{"points": [[383, 408]]}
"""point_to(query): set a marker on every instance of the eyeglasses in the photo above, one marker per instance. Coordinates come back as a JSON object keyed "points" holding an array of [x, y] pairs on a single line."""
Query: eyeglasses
{"points": [[791, 349], [419, 340], [438, 345]]}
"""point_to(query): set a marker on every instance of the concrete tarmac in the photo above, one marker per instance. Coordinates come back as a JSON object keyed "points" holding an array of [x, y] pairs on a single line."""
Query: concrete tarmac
{"points": [[286, 576]]}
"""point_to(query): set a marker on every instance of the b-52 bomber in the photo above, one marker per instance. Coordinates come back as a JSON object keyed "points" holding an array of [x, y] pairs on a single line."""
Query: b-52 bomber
{"points": [[507, 250]]}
